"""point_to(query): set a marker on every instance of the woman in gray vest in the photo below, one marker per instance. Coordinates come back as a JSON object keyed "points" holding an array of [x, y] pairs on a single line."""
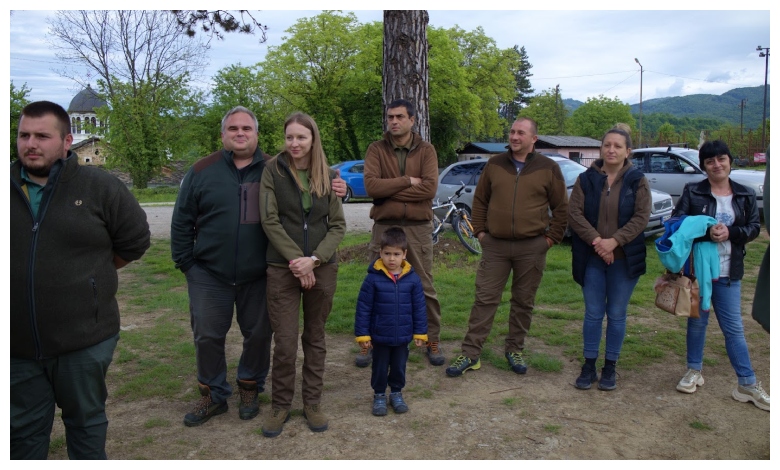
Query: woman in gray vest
{"points": [[304, 222], [608, 212]]}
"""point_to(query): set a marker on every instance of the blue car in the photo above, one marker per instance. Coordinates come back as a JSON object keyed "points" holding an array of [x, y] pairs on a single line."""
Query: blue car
{"points": [[352, 173]]}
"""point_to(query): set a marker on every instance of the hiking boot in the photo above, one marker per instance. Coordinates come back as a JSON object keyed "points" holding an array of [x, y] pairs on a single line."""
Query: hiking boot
{"points": [[435, 356], [363, 359], [317, 420], [516, 362], [248, 407], [204, 409], [690, 381], [608, 380], [274, 421], [587, 377], [754, 393], [460, 365], [398, 403], [379, 408]]}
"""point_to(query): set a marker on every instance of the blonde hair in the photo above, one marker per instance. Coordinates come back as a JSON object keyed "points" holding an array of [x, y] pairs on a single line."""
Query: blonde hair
{"points": [[319, 171]]}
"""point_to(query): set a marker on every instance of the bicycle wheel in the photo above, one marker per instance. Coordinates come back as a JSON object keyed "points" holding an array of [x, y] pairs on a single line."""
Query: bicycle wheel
{"points": [[436, 229], [466, 236]]}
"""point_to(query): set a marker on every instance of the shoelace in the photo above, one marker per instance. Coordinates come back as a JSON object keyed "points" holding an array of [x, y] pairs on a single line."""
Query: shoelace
{"points": [[247, 396], [516, 357], [760, 390], [363, 350], [202, 405], [460, 361], [434, 345]]}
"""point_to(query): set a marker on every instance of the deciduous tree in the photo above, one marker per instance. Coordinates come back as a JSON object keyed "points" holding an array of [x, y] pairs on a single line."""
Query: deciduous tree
{"points": [[598, 115], [548, 110], [18, 102]]}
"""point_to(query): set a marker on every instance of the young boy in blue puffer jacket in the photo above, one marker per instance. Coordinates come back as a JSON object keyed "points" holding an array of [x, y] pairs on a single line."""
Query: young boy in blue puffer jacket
{"points": [[390, 313]]}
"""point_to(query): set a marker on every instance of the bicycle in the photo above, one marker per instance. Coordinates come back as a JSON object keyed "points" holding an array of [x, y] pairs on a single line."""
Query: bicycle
{"points": [[460, 220]]}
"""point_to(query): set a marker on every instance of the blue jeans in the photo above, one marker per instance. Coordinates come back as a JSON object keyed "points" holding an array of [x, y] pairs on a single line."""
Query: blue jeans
{"points": [[727, 306], [74, 381], [211, 315], [606, 290]]}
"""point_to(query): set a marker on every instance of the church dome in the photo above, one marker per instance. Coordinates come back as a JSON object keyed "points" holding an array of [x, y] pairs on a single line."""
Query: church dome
{"points": [[86, 101]]}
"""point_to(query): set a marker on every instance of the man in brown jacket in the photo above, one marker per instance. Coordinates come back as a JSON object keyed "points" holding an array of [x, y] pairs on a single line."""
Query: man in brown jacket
{"points": [[401, 173], [510, 217]]}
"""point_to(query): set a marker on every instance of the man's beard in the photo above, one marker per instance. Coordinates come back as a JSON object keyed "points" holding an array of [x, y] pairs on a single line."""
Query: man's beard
{"points": [[37, 171]]}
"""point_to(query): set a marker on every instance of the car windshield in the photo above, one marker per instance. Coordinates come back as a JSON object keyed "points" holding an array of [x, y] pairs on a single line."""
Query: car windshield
{"points": [[692, 155], [571, 170], [338, 165]]}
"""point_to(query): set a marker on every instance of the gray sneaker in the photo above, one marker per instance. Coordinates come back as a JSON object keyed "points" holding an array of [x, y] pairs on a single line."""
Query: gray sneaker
{"points": [[754, 393], [690, 381]]}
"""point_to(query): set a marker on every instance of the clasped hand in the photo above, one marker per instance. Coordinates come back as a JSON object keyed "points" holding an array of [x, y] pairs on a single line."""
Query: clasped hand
{"points": [[605, 248], [303, 269], [719, 233]]}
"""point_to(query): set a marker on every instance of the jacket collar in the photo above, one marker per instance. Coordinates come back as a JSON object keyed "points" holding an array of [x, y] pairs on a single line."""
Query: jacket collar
{"points": [[257, 156], [416, 139], [379, 267], [703, 187]]}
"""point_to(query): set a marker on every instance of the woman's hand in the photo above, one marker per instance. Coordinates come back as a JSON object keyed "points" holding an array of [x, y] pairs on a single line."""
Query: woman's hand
{"points": [[719, 233], [302, 266], [307, 281], [604, 247]]}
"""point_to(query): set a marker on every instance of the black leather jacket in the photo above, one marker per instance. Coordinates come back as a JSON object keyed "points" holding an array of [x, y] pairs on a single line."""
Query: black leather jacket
{"points": [[697, 199]]}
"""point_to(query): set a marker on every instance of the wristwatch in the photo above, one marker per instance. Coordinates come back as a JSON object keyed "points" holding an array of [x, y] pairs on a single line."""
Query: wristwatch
{"points": [[316, 261]]}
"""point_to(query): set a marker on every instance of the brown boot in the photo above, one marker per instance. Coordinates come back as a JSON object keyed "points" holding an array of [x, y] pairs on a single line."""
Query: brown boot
{"points": [[204, 409], [248, 408], [317, 420], [274, 421]]}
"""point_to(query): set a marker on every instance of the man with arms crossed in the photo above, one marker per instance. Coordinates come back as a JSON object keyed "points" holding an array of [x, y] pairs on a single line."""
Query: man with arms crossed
{"points": [[401, 173]]}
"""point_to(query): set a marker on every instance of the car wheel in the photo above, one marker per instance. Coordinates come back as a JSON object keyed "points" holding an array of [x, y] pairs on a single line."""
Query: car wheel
{"points": [[347, 196]]}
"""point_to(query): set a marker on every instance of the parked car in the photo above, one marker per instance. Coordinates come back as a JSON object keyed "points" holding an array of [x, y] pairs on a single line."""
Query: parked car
{"points": [[352, 173], [469, 172], [668, 169]]}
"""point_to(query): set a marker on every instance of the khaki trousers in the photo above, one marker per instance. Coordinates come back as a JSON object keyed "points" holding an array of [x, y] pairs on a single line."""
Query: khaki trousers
{"points": [[526, 259], [284, 301], [420, 256]]}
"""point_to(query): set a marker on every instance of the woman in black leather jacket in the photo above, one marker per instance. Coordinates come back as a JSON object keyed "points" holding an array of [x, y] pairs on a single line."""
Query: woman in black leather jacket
{"points": [[734, 207]]}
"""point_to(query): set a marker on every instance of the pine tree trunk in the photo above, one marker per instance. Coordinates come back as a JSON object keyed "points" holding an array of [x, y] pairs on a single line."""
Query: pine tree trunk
{"points": [[405, 70]]}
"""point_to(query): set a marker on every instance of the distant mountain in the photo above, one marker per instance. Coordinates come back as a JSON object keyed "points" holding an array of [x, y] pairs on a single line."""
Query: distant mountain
{"points": [[723, 107]]}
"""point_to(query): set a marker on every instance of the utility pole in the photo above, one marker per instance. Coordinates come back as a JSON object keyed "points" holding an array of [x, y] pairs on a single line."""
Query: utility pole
{"points": [[641, 78], [741, 115], [766, 73]]}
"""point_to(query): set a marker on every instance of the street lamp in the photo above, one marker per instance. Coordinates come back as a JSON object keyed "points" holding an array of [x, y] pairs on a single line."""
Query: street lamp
{"points": [[766, 72], [641, 77]]}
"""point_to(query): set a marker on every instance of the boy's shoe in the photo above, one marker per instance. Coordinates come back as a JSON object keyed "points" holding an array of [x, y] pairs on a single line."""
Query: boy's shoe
{"points": [[608, 380], [379, 408], [204, 409], [516, 362], [690, 381], [753, 393], [363, 358], [248, 407], [435, 356], [274, 421], [460, 365], [398, 403], [587, 377], [318, 421]]}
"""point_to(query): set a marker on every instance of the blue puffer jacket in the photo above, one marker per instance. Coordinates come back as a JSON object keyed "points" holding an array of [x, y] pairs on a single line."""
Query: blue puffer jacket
{"points": [[391, 312]]}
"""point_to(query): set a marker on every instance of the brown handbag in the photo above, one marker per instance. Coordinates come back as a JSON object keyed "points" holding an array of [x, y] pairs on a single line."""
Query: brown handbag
{"points": [[678, 294]]}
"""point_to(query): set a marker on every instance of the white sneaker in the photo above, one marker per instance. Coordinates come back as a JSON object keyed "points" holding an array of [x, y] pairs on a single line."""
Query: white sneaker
{"points": [[690, 380], [753, 393]]}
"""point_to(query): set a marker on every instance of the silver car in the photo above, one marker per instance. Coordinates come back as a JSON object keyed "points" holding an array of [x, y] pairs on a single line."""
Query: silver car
{"points": [[668, 169], [469, 172]]}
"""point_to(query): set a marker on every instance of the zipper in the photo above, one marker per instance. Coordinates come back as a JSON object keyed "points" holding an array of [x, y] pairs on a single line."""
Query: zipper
{"points": [[94, 297]]}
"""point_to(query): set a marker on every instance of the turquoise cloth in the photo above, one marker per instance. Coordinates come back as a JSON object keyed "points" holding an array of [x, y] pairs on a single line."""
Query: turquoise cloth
{"points": [[706, 262]]}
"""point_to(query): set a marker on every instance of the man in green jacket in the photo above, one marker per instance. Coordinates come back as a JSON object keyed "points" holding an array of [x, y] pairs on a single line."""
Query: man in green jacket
{"points": [[515, 193], [217, 241], [71, 228], [401, 173]]}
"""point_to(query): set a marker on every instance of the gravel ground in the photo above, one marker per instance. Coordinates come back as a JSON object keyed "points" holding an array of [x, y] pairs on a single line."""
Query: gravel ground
{"points": [[159, 217]]}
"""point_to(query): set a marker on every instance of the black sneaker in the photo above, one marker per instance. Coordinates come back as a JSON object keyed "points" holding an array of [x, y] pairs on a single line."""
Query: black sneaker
{"points": [[363, 358], [460, 365], [435, 356], [587, 377], [608, 379], [516, 362], [204, 409]]}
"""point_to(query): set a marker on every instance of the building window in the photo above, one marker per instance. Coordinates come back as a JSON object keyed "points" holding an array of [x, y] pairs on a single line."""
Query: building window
{"points": [[78, 125]]}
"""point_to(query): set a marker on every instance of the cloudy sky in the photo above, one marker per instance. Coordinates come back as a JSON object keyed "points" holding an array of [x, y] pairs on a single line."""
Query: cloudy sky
{"points": [[587, 53]]}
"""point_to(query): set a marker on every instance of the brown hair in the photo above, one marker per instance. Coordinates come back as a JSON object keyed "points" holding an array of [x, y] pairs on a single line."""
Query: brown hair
{"points": [[620, 129]]}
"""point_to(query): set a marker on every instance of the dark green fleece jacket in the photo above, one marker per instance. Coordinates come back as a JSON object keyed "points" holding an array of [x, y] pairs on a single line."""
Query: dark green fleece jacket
{"points": [[63, 278], [216, 220]]}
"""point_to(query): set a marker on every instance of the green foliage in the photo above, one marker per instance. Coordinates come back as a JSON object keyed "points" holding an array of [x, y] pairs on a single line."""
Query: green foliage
{"points": [[158, 194], [144, 124], [552, 428], [523, 89], [598, 115], [549, 112], [18, 102], [699, 426]]}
